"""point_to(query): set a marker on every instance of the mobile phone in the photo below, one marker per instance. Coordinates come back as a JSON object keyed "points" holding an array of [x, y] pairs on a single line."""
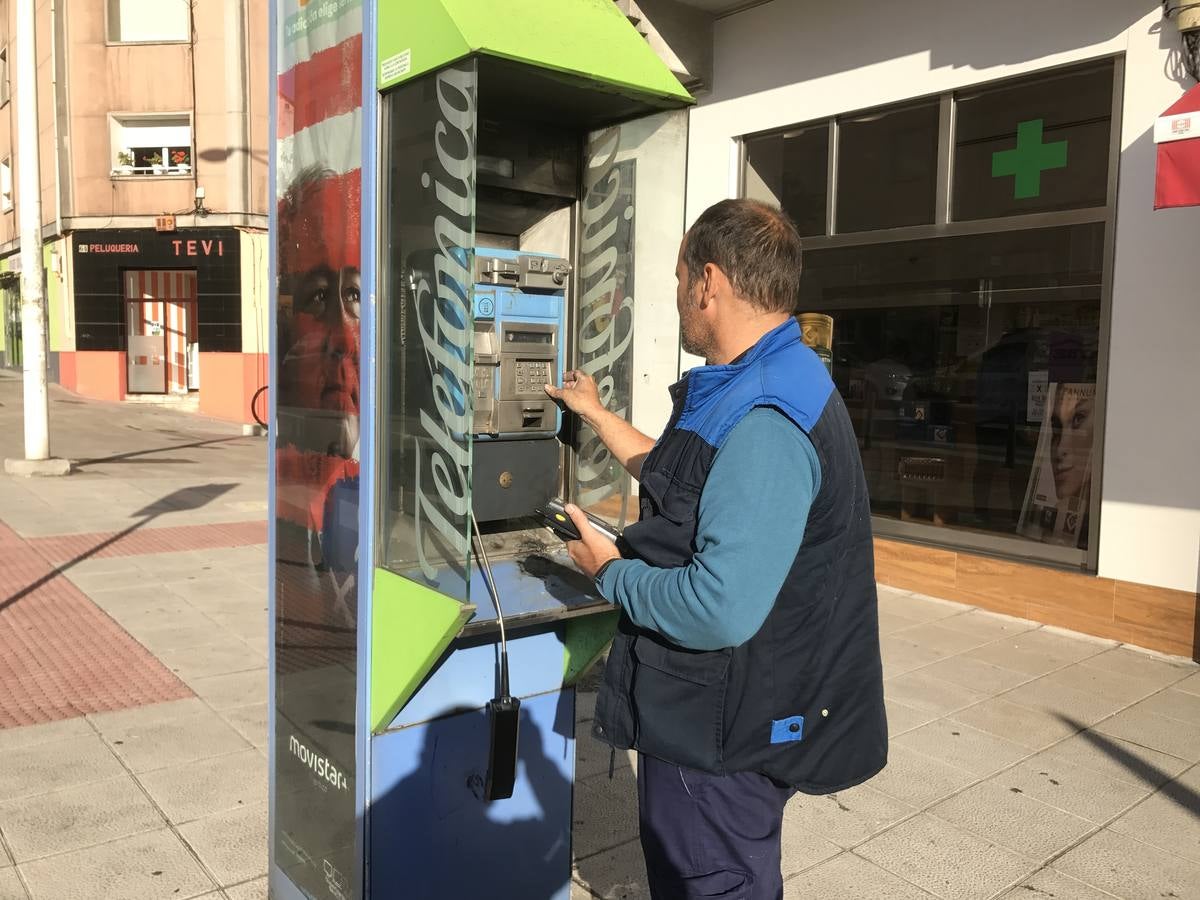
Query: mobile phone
{"points": [[554, 515]]}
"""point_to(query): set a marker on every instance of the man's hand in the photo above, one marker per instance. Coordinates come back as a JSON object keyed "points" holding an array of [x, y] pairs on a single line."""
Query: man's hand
{"points": [[578, 393], [594, 550]]}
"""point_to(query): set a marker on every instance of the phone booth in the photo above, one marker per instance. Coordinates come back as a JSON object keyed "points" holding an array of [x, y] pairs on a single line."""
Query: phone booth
{"points": [[467, 195]]}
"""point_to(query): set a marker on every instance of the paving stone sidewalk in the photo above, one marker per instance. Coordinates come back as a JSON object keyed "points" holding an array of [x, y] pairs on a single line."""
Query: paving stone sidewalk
{"points": [[1024, 761]]}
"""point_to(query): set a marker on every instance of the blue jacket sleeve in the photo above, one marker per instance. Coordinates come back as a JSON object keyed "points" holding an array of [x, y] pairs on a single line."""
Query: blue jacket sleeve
{"points": [[753, 511]]}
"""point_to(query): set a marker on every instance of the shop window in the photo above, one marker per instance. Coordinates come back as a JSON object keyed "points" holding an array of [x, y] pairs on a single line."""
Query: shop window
{"points": [[887, 168], [791, 169], [969, 366], [151, 145], [1034, 145], [149, 21], [6, 186]]}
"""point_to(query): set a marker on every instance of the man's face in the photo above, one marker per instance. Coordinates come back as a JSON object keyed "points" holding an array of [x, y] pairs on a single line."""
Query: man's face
{"points": [[1072, 426], [320, 369], [694, 330]]}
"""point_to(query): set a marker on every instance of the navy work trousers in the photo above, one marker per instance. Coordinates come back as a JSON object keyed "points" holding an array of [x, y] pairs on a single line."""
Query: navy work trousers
{"points": [[710, 835]]}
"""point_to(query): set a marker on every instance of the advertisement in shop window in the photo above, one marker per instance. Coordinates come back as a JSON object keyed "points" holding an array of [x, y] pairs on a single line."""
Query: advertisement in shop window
{"points": [[1056, 502]]}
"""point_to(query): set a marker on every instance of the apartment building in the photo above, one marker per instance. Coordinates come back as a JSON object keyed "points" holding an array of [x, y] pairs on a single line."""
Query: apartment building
{"points": [[153, 135]]}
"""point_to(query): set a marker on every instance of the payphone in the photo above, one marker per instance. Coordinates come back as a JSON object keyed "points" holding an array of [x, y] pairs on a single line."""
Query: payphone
{"points": [[453, 231], [520, 325]]}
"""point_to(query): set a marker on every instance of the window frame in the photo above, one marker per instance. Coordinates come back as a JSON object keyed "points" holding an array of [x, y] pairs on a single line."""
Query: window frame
{"points": [[9, 203], [944, 225], [108, 26], [120, 119]]}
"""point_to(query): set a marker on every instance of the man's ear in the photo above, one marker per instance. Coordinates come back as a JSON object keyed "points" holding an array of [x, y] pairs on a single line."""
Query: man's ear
{"points": [[713, 278]]}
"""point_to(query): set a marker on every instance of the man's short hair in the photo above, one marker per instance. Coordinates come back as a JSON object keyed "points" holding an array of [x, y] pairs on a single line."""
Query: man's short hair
{"points": [[755, 245]]}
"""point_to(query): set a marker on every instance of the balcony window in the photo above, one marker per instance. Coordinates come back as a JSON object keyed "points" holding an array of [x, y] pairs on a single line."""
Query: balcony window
{"points": [[148, 21], [151, 145]]}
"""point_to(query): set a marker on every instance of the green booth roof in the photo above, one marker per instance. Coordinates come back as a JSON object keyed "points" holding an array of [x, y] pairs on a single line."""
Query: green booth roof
{"points": [[582, 40]]}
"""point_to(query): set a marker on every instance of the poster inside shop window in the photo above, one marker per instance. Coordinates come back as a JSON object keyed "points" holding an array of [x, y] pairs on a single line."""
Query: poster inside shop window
{"points": [[1059, 491]]}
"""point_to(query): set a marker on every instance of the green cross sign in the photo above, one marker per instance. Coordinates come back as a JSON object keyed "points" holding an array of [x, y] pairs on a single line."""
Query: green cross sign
{"points": [[1029, 159]]}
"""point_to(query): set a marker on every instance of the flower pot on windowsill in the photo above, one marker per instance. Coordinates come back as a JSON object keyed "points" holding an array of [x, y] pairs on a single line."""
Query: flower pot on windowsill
{"points": [[158, 169], [183, 169]]}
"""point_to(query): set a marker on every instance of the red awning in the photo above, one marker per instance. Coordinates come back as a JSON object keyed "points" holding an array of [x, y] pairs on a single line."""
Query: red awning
{"points": [[1177, 134]]}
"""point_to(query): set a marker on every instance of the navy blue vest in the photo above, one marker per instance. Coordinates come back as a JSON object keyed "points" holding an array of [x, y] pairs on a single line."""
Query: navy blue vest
{"points": [[802, 700]]}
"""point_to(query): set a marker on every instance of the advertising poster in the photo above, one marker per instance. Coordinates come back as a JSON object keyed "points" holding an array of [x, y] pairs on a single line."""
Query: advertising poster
{"points": [[1057, 498], [316, 383]]}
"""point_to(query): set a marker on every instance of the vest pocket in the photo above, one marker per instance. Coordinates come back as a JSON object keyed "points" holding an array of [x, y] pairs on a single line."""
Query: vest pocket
{"points": [[679, 702], [674, 501]]}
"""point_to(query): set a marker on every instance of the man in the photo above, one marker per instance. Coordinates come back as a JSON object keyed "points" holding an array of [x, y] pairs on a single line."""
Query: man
{"points": [[746, 664]]}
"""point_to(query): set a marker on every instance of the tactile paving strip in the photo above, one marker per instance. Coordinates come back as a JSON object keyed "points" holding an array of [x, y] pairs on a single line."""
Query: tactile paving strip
{"points": [[63, 547], [60, 655]]}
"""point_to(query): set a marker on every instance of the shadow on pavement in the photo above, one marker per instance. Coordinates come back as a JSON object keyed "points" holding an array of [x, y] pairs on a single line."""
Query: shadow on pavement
{"points": [[136, 455], [189, 498], [518, 847], [1171, 788]]}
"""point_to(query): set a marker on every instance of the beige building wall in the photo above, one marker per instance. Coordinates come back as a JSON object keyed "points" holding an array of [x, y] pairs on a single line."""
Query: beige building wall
{"points": [[121, 78], [47, 86], [258, 46], [8, 118], [94, 79], [9, 223]]}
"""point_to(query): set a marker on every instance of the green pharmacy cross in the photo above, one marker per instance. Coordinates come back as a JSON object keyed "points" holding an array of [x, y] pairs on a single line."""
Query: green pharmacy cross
{"points": [[1029, 159]]}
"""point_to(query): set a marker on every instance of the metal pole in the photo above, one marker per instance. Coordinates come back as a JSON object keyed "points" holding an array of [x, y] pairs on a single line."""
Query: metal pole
{"points": [[237, 121], [33, 295]]}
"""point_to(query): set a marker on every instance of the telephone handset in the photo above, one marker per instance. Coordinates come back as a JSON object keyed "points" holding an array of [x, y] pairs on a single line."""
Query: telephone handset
{"points": [[503, 710]]}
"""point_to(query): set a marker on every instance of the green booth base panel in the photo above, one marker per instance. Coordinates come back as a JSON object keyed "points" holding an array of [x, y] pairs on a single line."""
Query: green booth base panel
{"points": [[411, 626], [585, 639]]}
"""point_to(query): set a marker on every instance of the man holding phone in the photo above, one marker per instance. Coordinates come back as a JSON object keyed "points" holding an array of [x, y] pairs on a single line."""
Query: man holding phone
{"points": [[746, 664]]}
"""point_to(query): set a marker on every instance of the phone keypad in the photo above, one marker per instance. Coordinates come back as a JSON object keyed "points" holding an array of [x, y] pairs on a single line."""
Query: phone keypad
{"points": [[532, 374]]}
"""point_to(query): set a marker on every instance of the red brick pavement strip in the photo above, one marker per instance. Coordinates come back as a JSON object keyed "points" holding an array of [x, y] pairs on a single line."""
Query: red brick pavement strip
{"points": [[63, 547], [60, 655]]}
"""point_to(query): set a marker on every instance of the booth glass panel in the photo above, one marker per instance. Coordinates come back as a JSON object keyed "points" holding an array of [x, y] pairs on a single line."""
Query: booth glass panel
{"points": [[428, 212], [637, 166]]}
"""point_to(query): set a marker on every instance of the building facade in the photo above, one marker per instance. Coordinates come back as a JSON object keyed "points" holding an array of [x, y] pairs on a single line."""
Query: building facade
{"points": [[153, 120], [1012, 320]]}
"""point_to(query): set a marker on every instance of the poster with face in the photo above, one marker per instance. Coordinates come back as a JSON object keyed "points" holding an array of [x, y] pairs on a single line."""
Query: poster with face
{"points": [[1059, 492], [318, 191]]}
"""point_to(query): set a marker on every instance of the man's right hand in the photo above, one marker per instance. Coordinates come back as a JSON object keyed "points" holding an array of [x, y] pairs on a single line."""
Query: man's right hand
{"points": [[578, 393]]}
